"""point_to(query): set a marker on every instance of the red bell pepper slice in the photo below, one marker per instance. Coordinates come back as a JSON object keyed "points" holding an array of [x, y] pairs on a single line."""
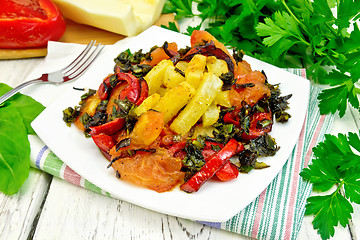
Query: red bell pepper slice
{"points": [[108, 128], [132, 91], [144, 92], [230, 118], [29, 23], [177, 147], [254, 131], [210, 145], [228, 172], [104, 142], [211, 167], [104, 88]]}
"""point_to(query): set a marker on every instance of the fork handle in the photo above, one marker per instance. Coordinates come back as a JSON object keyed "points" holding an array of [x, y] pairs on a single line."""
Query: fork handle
{"points": [[16, 89]]}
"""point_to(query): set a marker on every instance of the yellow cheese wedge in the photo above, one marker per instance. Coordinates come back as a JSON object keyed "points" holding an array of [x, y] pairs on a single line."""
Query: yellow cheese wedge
{"points": [[126, 17]]}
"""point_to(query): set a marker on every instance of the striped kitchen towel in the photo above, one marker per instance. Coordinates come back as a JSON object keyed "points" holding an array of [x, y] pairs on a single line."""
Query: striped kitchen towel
{"points": [[276, 214]]}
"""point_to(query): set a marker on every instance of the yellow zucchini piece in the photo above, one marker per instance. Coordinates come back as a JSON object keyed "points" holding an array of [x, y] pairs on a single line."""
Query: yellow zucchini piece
{"points": [[173, 100], [206, 93], [201, 130], [155, 77], [182, 65], [216, 66], [211, 115], [223, 99], [162, 90], [147, 104], [195, 70], [172, 78]]}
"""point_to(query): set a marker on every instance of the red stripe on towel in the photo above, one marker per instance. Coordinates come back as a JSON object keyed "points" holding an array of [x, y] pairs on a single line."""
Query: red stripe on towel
{"points": [[295, 181], [71, 176], [257, 220], [314, 139]]}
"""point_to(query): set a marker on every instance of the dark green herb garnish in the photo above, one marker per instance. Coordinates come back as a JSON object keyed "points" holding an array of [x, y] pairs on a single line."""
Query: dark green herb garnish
{"points": [[140, 70], [87, 95], [247, 160], [279, 104], [263, 146], [123, 143], [124, 110], [70, 114], [238, 55], [228, 80], [194, 159], [128, 62], [99, 118]]}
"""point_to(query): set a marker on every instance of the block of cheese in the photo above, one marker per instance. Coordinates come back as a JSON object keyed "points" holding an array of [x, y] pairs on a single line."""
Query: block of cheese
{"points": [[126, 17]]}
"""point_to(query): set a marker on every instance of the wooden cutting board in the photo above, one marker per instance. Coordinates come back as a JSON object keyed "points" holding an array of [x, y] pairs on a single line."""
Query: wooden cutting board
{"points": [[77, 33]]}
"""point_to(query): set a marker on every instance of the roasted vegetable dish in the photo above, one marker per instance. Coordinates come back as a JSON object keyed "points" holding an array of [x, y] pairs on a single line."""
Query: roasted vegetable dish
{"points": [[174, 116]]}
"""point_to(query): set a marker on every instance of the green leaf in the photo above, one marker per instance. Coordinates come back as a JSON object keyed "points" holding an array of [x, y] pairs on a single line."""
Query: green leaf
{"points": [[335, 165], [346, 11], [27, 106], [352, 183], [322, 12], [182, 8], [282, 27], [333, 99], [329, 210], [172, 26], [322, 173], [354, 141], [14, 150]]}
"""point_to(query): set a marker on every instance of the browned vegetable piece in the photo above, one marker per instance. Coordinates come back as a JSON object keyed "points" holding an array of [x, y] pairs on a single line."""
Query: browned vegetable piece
{"points": [[158, 171]]}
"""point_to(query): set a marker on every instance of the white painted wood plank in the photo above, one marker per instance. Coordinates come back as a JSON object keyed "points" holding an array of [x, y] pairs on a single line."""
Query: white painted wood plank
{"points": [[355, 223], [17, 212], [71, 212]]}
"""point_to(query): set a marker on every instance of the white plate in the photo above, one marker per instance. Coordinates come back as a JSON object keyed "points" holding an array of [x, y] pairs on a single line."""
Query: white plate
{"points": [[215, 201]]}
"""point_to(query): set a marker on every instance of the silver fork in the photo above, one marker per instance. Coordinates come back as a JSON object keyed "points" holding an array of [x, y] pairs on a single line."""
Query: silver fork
{"points": [[71, 72]]}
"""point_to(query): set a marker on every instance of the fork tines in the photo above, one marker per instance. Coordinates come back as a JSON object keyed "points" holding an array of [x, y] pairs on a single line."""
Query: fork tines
{"points": [[82, 62]]}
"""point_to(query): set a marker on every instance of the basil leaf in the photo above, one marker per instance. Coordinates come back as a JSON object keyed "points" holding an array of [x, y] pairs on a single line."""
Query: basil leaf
{"points": [[14, 150], [27, 106]]}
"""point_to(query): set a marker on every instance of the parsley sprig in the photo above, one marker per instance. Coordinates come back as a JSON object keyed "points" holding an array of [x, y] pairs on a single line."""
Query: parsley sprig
{"points": [[293, 33], [335, 165]]}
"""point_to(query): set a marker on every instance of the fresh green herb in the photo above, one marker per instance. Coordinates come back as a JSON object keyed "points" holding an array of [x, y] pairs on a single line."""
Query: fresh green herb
{"points": [[293, 33], [335, 165], [172, 26], [182, 8], [16, 114]]}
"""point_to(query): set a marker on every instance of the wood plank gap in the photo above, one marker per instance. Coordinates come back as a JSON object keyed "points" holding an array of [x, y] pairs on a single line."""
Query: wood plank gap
{"points": [[352, 233], [37, 217]]}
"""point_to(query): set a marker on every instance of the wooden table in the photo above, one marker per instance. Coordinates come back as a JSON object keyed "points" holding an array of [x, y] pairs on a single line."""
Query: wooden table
{"points": [[50, 208]]}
